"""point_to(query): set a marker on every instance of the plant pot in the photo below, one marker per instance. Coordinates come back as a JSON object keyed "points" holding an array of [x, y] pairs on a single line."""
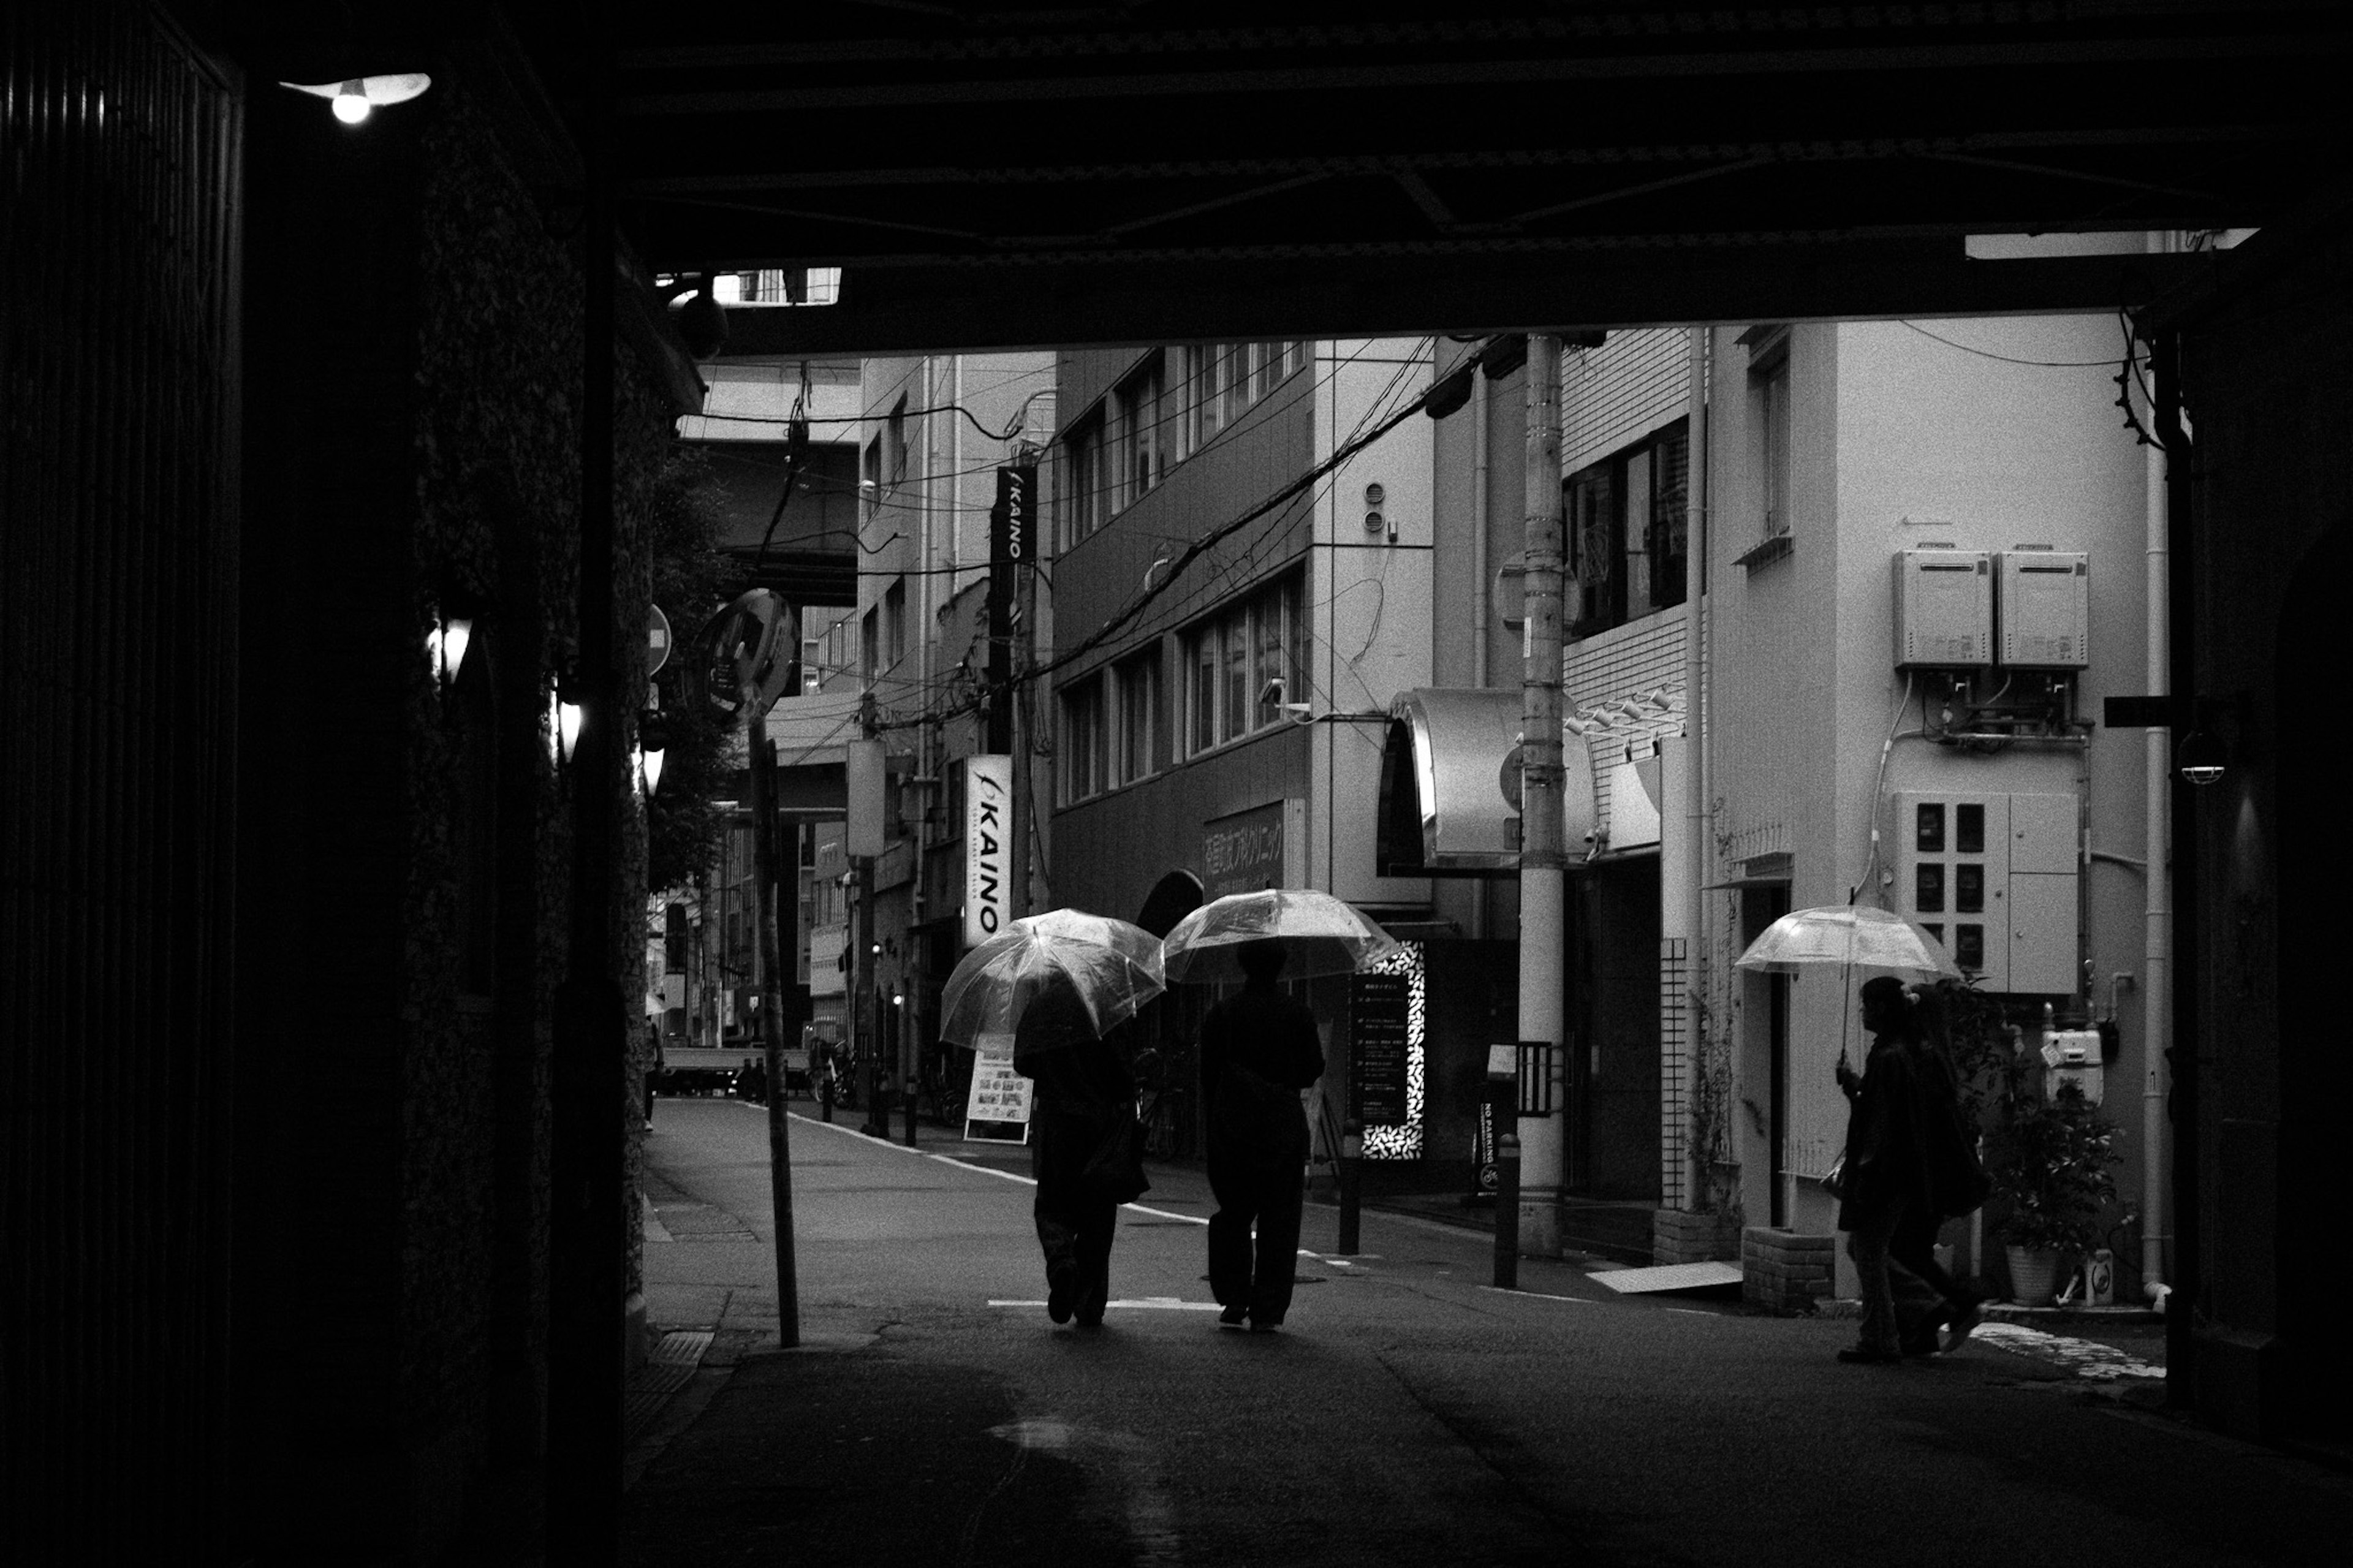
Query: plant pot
{"points": [[2033, 1275]]}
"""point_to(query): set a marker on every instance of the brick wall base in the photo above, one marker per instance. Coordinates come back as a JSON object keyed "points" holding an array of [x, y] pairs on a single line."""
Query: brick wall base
{"points": [[1680, 1237], [1784, 1271]]}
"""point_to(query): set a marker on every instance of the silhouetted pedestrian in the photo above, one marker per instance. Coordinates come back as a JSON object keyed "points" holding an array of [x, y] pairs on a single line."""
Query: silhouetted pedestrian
{"points": [[1886, 1180], [1259, 1051], [1085, 1093]]}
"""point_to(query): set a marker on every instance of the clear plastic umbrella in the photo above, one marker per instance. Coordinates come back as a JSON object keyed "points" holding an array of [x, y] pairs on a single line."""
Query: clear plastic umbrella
{"points": [[1320, 935], [1853, 936], [1112, 968]]}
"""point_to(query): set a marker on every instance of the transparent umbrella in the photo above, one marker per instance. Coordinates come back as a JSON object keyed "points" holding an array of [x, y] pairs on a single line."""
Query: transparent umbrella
{"points": [[1320, 935], [1110, 966], [1852, 936]]}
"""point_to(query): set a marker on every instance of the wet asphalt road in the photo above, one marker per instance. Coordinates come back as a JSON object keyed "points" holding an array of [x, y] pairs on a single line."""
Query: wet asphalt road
{"points": [[1407, 1413]]}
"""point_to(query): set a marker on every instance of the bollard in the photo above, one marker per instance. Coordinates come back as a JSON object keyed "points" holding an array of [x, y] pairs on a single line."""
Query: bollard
{"points": [[1507, 1210], [1352, 1179]]}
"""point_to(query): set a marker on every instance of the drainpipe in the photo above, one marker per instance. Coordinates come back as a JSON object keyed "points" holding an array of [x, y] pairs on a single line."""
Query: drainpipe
{"points": [[1700, 859], [2165, 365], [1481, 590], [2157, 953]]}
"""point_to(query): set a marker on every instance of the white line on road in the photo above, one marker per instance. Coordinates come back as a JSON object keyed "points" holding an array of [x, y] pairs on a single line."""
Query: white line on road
{"points": [[1540, 1296], [1148, 1303]]}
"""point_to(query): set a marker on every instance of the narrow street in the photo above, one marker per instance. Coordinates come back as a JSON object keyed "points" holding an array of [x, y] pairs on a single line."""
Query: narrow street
{"points": [[1407, 1413]]}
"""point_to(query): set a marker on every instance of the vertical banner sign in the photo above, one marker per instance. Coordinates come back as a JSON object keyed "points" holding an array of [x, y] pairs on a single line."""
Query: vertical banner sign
{"points": [[862, 773], [987, 847], [1376, 1057], [1012, 536]]}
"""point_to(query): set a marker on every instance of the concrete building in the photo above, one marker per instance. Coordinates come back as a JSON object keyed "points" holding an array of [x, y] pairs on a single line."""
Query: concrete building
{"points": [[1244, 561], [1837, 470]]}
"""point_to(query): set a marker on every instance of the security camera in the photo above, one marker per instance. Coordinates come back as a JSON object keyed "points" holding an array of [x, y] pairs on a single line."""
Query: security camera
{"points": [[1273, 691]]}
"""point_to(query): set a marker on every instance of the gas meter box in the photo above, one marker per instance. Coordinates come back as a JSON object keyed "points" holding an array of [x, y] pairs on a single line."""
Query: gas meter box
{"points": [[2073, 1055]]}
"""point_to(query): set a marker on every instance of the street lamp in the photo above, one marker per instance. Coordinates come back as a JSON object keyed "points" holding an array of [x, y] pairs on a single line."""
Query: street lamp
{"points": [[356, 97]]}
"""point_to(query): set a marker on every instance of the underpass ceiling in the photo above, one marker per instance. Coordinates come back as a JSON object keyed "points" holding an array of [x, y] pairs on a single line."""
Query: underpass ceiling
{"points": [[991, 177]]}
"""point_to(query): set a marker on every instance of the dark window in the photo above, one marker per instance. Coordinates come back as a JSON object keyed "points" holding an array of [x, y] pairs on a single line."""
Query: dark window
{"points": [[1930, 839], [1969, 830], [1928, 889], [1969, 946], [1968, 890], [1628, 518]]}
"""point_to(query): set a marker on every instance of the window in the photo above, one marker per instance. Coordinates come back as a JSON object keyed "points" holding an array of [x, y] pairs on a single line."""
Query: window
{"points": [[1136, 716], [894, 443], [894, 622], [1085, 741], [1294, 357], [868, 648], [870, 481], [1136, 436], [1242, 667], [1769, 413], [1082, 454], [1627, 521]]}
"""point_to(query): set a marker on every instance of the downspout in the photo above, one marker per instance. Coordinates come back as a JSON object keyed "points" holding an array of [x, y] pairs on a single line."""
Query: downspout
{"points": [[2165, 365], [1701, 859], [2157, 951], [1481, 590]]}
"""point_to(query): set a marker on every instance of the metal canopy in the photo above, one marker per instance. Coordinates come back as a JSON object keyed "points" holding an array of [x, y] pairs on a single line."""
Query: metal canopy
{"points": [[1065, 174], [1152, 173]]}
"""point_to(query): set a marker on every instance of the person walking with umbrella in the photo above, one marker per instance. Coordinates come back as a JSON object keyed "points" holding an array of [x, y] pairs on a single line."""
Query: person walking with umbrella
{"points": [[1057, 985], [1259, 1051], [1888, 1185], [1085, 1100]]}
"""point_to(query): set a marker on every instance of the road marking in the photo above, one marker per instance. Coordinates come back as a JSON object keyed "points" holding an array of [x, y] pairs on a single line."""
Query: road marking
{"points": [[1540, 1296], [1146, 1303], [2084, 1358]]}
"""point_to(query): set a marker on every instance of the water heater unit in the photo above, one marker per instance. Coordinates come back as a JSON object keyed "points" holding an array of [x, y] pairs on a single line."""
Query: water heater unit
{"points": [[1944, 608], [2046, 609]]}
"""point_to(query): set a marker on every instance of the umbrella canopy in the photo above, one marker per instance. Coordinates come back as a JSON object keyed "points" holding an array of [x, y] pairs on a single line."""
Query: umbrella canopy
{"points": [[1111, 967], [1852, 936], [1320, 935]]}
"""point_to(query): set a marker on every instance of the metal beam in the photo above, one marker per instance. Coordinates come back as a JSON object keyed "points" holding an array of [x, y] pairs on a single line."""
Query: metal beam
{"points": [[980, 309]]}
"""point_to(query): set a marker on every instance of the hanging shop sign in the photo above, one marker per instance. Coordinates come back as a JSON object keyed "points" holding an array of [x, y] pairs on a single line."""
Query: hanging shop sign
{"points": [[987, 847]]}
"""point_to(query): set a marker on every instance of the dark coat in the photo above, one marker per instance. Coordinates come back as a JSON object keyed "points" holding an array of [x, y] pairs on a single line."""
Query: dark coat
{"points": [[1259, 1050], [1085, 1088], [1886, 1147]]}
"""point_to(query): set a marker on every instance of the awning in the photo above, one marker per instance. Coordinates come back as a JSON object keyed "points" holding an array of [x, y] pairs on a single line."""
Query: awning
{"points": [[1450, 803]]}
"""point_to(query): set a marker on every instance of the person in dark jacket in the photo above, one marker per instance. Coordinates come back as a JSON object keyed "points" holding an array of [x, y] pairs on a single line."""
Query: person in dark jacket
{"points": [[1887, 1179], [1259, 1050], [1085, 1092], [1957, 1181]]}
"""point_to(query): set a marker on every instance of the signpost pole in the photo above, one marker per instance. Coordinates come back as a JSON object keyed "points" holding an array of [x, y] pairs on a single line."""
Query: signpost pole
{"points": [[769, 883]]}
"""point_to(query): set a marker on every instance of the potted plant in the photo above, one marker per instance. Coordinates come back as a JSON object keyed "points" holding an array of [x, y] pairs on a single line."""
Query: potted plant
{"points": [[2049, 1164]]}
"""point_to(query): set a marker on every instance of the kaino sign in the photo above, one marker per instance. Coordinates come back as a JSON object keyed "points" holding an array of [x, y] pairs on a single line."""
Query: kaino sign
{"points": [[987, 847]]}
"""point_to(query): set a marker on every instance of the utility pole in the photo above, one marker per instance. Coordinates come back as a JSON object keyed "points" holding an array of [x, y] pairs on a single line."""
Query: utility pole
{"points": [[1543, 861], [769, 883], [864, 778]]}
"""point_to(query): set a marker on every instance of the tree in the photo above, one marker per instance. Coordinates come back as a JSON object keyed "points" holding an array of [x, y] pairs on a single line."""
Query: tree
{"points": [[690, 580]]}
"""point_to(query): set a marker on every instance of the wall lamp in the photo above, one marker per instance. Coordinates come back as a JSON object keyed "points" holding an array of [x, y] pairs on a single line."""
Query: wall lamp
{"points": [[356, 97], [565, 714], [454, 613], [2218, 738], [653, 740]]}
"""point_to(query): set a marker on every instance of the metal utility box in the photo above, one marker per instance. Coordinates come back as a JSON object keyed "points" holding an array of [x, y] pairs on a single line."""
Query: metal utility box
{"points": [[1992, 876], [2045, 605], [1944, 608], [2073, 1055]]}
